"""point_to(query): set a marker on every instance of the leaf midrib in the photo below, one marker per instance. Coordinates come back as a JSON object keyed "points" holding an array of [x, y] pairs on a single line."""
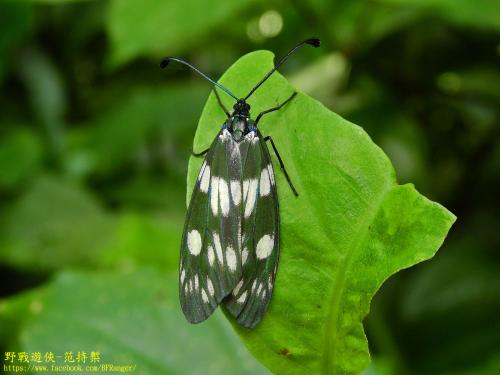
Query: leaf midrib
{"points": [[331, 328]]}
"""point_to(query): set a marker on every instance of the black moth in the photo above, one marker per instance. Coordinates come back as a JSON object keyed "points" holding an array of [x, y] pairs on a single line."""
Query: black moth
{"points": [[230, 244]]}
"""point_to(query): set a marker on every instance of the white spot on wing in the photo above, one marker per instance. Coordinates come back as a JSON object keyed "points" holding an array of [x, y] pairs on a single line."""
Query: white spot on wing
{"points": [[236, 290], [251, 197], [265, 183], [259, 289], [195, 282], [183, 275], [264, 246], [236, 191], [242, 298], [210, 287], [224, 196], [194, 242], [204, 296], [211, 255], [231, 258], [214, 195], [244, 256], [218, 247], [205, 180]]}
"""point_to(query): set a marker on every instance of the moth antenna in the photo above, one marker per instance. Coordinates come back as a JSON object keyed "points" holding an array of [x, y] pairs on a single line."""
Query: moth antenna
{"points": [[164, 63], [315, 42]]}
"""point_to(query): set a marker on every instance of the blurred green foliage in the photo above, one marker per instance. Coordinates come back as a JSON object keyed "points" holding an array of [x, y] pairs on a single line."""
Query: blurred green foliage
{"points": [[94, 142]]}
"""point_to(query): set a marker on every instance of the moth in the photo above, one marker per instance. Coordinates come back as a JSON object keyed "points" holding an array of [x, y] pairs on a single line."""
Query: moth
{"points": [[231, 239]]}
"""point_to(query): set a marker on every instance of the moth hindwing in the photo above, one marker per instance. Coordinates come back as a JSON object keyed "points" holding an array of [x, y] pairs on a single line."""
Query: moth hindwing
{"points": [[230, 242], [210, 263]]}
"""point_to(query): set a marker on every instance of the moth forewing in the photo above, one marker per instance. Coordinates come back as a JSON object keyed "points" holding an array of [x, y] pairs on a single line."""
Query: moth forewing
{"points": [[210, 263], [223, 214], [260, 237], [230, 243]]}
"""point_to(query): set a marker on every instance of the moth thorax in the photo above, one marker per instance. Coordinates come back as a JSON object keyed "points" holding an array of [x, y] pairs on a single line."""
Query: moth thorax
{"points": [[239, 127]]}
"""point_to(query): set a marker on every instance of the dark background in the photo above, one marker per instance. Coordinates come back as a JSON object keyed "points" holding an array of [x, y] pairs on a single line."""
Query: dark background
{"points": [[95, 138]]}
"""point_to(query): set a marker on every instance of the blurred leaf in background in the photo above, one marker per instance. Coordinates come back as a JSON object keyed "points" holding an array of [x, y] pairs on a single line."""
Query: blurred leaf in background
{"points": [[95, 140], [135, 316], [24, 146], [15, 25], [173, 24], [54, 225]]}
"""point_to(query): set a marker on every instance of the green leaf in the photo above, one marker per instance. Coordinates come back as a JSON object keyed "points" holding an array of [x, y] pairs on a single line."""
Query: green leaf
{"points": [[351, 227], [149, 192], [462, 282], [160, 27], [144, 113], [23, 146], [141, 239], [15, 24], [359, 24], [57, 2], [14, 311], [44, 82], [480, 14], [53, 225], [132, 319]]}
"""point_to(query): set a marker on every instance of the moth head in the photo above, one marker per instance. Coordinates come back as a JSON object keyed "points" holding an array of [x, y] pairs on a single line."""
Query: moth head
{"points": [[242, 107]]}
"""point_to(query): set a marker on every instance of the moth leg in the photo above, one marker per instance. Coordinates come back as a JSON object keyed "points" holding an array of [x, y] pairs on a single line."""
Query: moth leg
{"points": [[274, 109], [282, 165], [221, 104], [198, 154]]}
